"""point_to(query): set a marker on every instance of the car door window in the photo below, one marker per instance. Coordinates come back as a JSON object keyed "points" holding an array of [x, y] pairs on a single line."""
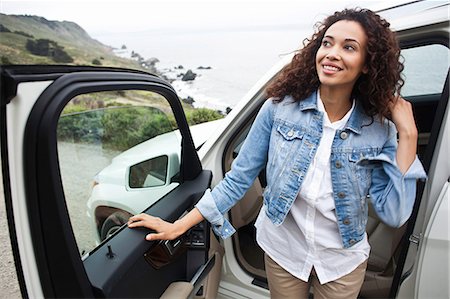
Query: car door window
{"points": [[425, 73], [118, 152], [425, 69]]}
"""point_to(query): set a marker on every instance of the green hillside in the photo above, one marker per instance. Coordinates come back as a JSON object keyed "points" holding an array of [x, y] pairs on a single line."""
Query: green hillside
{"points": [[18, 31], [28, 40]]}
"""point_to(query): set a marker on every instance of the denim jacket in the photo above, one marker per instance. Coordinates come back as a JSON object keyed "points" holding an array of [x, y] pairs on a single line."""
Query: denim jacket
{"points": [[284, 137]]}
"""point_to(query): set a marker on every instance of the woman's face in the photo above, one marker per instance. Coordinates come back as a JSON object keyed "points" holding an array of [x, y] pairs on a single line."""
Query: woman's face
{"points": [[341, 57]]}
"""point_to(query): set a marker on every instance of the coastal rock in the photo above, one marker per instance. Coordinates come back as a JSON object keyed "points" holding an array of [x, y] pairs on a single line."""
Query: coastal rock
{"points": [[189, 100], [164, 76], [152, 61], [189, 76]]}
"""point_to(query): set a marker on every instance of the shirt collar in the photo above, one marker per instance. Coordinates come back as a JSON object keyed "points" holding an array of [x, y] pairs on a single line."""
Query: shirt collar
{"points": [[357, 119], [337, 125]]}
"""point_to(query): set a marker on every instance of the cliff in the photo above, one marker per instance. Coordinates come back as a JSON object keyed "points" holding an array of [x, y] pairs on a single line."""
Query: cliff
{"points": [[26, 39]]}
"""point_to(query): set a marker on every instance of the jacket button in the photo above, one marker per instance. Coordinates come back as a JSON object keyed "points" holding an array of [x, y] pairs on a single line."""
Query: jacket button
{"points": [[346, 221], [341, 194], [290, 133], [352, 241], [344, 135], [338, 164]]}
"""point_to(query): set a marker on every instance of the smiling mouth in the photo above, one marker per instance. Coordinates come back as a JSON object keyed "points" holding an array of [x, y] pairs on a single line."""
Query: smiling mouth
{"points": [[332, 68]]}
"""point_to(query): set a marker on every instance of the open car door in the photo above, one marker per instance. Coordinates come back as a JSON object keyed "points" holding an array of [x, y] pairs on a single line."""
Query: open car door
{"points": [[82, 149]]}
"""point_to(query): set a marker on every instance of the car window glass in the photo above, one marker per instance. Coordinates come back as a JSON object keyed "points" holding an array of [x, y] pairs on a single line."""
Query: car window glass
{"points": [[425, 69], [425, 73], [119, 152]]}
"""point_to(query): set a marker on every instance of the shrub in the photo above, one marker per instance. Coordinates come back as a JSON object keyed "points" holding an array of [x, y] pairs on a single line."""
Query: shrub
{"points": [[24, 34], [5, 60], [201, 115], [121, 128], [126, 127], [40, 47], [59, 55], [96, 62], [4, 28], [81, 127], [49, 48]]}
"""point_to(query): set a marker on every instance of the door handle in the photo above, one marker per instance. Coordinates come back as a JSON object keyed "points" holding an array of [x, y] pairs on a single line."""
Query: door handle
{"points": [[173, 245]]}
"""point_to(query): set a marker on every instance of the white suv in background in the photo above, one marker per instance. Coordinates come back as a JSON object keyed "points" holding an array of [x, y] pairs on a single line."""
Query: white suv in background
{"points": [[54, 246], [137, 178]]}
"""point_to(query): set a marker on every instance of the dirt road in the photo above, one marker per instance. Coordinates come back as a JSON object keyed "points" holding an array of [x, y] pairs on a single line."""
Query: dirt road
{"points": [[79, 164], [9, 287]]}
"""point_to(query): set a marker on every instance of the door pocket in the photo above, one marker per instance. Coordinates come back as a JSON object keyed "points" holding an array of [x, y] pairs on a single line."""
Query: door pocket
{"points": [[166, 251]]}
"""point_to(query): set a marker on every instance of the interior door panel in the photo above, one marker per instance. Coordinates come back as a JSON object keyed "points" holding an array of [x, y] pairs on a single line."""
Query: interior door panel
{"points": [[117, 267], [127, 273]]}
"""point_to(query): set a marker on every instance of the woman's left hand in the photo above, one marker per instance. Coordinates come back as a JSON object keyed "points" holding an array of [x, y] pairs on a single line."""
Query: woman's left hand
{"points": [[403, 118]]}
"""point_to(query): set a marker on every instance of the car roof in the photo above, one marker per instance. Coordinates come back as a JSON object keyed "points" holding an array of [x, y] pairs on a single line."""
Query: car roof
{"points": [[402, 15], [413, 14]]}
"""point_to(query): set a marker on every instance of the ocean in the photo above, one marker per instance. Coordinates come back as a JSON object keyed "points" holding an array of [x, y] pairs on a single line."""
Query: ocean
{"points": [[239, 57]]}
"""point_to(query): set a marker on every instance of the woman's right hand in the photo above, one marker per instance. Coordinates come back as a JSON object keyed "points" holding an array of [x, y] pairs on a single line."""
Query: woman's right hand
{"points": [[164, 230]]}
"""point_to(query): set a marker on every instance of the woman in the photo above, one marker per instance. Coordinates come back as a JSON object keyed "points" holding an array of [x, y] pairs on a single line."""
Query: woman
{"points": [[329, 147]]}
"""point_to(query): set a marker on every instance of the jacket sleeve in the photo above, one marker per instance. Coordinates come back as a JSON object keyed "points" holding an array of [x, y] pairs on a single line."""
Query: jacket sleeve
{"points": [[245, 168], [392, 193]]}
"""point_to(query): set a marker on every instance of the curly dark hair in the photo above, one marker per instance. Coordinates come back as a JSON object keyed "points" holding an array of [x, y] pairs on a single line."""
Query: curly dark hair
{"points": [[374, 90]]}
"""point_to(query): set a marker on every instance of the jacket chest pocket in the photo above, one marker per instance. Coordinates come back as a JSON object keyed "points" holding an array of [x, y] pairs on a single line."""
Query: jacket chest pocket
{"points": [[286, 142], [290, 132], [361, 174]]}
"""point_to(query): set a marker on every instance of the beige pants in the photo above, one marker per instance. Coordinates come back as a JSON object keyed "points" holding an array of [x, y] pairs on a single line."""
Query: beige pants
{"points": [[283, 285]]}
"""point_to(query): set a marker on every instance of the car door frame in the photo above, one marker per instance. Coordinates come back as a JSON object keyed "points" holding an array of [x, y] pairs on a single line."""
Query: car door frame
{"points": [[60, 269], [410, 235]]}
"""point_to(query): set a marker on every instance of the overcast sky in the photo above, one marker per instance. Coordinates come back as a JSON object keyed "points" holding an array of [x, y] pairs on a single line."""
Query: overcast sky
{"points": [[99, 16]]}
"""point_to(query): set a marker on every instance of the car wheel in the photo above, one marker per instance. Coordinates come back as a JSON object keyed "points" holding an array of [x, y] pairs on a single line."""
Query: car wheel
{"points": [[113, 223]]}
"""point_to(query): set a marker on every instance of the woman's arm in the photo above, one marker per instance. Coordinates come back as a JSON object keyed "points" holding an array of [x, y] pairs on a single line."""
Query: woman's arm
{"points": [[397, 168], [251, 159], [166, 230], [403, 118]]}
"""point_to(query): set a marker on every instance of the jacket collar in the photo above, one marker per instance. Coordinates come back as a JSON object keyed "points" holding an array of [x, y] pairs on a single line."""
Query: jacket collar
{"points": [[309, 103], [354, 123], [358, 119]]}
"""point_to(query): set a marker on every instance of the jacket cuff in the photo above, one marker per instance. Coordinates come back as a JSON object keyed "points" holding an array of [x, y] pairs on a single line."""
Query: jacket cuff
{"points": [[415, 170], [208, 208]]}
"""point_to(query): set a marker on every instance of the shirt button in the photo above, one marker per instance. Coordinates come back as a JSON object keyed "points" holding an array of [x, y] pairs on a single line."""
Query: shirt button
{"points": [[346, 221], [338, 164], [344, 135], [341, 194]]}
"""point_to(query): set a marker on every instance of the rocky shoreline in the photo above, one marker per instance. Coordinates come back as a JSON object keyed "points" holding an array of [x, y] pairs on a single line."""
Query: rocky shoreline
{"points": [[150, 65], [176, 73]]}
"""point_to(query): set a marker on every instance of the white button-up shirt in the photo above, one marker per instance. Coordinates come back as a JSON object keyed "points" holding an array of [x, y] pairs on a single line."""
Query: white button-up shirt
{"points": [[309, 236]]}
